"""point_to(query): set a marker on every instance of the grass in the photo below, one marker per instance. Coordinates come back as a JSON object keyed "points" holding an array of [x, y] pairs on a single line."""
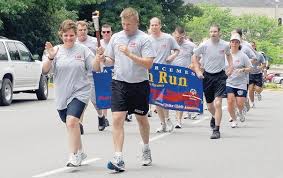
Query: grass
{"points": [[272, 86]]}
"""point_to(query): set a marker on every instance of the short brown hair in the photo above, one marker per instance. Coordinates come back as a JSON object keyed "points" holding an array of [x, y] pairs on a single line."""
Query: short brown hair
{"points": [[106, 26], [129, 12], [82, 23], [67, 25]]}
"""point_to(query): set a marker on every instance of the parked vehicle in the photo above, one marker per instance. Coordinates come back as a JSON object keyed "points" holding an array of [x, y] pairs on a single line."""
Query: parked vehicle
{"points": [[20, 71], [278, 79], [270, 76]]}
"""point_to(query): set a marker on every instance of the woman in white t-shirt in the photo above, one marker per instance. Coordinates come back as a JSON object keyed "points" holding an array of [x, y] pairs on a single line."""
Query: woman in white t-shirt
{"points": [[236, 84], [70, 62]]}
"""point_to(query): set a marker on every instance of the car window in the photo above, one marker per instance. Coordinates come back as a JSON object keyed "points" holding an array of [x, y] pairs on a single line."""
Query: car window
{"points": [[24, 52], [14, 54], [3, 53]]}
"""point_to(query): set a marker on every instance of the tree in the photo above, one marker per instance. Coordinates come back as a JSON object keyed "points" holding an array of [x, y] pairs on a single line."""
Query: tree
{"points": [[261, 29], [174, 11], [198, 27], [111, 9]]}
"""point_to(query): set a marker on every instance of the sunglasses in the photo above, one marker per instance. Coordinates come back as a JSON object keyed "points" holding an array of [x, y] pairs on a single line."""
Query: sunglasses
{"points": [[106, 31]]}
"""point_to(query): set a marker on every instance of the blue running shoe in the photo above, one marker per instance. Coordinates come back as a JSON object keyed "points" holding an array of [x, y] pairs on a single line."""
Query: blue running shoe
{"points": [[116, 165]]}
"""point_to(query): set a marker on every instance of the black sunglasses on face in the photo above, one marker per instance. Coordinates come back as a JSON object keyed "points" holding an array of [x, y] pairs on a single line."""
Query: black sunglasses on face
{"points": [[106, 31]]}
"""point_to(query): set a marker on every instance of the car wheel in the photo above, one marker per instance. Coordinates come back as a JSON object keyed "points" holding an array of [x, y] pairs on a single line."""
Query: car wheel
{"points": [[42, 91], [281, 82], [6, 92]]}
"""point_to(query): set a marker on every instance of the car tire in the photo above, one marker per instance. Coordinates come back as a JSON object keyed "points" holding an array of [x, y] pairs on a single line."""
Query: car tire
{"points": [[6, 92], [281, 82], [42, 91]]}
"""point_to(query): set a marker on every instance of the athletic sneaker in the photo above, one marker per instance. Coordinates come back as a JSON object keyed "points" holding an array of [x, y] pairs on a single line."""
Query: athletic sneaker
{"points": [[128, 118], [247, 105], [82, 129], [106, 122], [189, 116], [215, 134], [259, 97], [170, 125], [101, 123], [162, 128], [194, 116], [76, 159], [234, 124], [242, 117], [178, 125], [149, 114], [253, 105], [212, 122], [117, 164], [146, 157]]}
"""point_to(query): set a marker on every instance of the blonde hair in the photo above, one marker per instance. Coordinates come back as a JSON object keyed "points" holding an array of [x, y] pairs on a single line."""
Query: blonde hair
{"points": [[82, 23], [67, 25], [129, 13]]}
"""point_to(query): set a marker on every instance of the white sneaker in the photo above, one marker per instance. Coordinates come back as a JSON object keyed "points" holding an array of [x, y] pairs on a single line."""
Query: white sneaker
{"points": [[178, 125], [169, 126], [146, 157], [149, 114], [259, 97], [242, 117], [234, 124], [75, 160], [161, 129], [253, 105]]}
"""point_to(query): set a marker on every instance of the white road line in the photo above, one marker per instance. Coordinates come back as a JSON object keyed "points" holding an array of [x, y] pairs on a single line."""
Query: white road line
{"points": [[7, 110], [55, 171]]}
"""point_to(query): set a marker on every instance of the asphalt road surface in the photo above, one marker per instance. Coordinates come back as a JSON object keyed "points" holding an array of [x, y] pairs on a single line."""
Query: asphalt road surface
{"points": [[34, 144]]}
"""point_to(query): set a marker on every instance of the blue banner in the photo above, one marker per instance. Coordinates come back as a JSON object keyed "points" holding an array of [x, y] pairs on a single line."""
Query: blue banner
{"points": [[175, 88], [172, 87], [102, 84]]}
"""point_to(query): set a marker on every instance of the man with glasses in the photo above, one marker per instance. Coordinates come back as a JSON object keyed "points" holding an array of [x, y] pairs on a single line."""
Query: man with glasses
{"points": [[91, 43], [106, 33]]}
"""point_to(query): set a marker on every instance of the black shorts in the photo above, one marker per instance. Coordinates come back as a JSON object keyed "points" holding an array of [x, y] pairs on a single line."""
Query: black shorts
{"points": [[75, 108], [214, 85], [131, 97], [256, 79]]}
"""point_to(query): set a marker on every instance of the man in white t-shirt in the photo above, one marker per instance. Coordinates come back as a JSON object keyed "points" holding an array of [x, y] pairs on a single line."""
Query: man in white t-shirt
{"points": [[91, 43], [163, 44], [213, 53]]}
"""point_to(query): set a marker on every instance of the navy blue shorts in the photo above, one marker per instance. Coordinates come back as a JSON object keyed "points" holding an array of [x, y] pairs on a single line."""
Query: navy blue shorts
{"points": [[237, 92], [74, 108], [131, 97]]}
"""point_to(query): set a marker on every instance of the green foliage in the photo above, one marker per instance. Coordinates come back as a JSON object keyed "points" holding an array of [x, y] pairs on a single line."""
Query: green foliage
{"points": [[199, 26], [171, 12], [261, 29]]}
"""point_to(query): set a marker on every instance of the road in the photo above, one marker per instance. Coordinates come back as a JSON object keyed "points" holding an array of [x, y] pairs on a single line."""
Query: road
{"points": [[34, 144]]}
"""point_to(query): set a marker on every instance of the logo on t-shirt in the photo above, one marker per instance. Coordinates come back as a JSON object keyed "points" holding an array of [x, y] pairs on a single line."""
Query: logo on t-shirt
{"points": [[133, 44], [79, 57]]}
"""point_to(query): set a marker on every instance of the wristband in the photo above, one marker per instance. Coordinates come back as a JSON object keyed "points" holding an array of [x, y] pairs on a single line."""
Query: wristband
{"points": [[50, 59]]}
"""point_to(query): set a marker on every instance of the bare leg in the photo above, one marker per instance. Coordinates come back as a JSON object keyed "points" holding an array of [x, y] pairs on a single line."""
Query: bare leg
{"points": [[118, 119], [144, 128], [74, 134]]}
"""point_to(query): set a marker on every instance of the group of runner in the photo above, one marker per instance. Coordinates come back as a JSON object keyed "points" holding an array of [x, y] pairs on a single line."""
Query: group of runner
{"points": [[230, 68]]}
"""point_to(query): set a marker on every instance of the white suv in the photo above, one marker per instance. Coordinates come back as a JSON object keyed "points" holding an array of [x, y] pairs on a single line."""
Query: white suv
{"points": [[20, 72]]}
